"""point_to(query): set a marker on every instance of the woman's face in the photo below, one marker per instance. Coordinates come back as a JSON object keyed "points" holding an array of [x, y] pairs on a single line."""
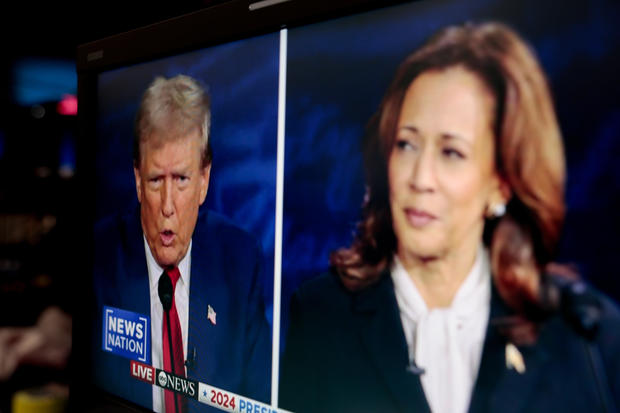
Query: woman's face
{"points": [[441, 168]]}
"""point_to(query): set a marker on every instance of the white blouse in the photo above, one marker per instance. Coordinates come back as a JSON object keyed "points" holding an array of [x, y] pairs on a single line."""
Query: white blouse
{"points": [[446, 342]]}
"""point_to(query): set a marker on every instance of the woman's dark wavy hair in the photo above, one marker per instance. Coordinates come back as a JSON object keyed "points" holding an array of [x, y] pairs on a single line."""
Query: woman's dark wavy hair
{"points": [[529, 157]]}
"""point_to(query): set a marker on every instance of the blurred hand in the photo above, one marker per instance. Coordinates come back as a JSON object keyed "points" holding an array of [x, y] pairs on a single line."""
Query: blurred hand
{"points": [[46, 344], [10, 339]]}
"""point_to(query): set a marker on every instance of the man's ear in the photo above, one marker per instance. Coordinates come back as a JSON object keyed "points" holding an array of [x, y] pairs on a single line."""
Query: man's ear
{"points": [[205, 173], [136, 174]]}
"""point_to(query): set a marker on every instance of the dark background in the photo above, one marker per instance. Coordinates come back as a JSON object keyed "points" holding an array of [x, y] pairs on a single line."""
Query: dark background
{"points": [[31, 186], [38, 203]]}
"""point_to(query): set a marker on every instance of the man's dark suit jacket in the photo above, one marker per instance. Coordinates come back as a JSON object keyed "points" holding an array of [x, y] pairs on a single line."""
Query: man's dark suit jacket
{"points": [[226, 271], [347, 353]]}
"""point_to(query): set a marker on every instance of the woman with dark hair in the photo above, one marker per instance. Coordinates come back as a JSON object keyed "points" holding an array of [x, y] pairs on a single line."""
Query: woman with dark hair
{"points": [[447, 300]]}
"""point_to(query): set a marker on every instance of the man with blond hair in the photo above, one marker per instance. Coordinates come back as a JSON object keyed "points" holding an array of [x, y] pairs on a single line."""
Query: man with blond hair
{"points": [[212, 328]]}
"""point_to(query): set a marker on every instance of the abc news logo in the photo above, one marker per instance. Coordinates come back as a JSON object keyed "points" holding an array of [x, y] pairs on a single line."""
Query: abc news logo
{"points": [[161, 378]]}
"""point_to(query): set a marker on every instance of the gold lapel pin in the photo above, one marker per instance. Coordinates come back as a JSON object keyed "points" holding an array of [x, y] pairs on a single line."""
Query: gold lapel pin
{"points": [[514, 359]]}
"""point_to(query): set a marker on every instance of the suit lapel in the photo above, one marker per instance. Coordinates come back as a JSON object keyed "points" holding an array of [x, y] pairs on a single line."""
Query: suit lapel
{"points": [[197, 336], [499, 388], [201, 340], [382, 335]]}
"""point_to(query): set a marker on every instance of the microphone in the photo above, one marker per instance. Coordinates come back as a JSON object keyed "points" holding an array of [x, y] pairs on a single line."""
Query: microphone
{"points": [[414, 369], [583, 310], [191, 358], [579, 306], [164, 290]]}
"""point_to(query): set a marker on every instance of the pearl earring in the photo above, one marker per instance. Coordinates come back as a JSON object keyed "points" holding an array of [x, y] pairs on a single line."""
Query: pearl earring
{"points": [[498, 210]]}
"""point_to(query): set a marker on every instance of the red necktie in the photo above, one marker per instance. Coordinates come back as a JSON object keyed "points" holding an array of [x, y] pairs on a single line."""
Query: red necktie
{"points": [[177, 347]]}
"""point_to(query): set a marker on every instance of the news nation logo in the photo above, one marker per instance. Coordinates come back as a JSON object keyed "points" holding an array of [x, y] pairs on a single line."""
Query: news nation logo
{"points": [[126, 334], [169, 381]]}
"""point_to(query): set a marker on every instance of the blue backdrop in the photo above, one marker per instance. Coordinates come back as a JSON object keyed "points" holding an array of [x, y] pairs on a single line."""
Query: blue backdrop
{"points": [[339, 70], [242, 81]]}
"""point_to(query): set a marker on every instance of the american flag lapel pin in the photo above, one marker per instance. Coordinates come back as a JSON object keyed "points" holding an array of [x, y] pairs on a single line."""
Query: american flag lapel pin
{"points": [[514, 359], [211, 314]]}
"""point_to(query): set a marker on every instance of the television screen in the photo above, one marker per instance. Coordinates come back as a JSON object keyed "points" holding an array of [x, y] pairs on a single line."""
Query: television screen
{"points": [[291, 102], [241, 81]]}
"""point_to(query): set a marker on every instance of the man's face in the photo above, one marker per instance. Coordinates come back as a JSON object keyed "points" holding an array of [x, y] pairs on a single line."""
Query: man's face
{"points": [[171, 186]]}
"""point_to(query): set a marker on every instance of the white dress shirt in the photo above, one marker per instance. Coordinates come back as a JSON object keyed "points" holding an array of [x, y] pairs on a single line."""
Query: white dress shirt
{"points": [[181, 300], [446, 342]]}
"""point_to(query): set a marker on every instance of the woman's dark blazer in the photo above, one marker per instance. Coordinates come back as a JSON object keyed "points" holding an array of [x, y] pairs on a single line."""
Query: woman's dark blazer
{"points": [[347, 352]]}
